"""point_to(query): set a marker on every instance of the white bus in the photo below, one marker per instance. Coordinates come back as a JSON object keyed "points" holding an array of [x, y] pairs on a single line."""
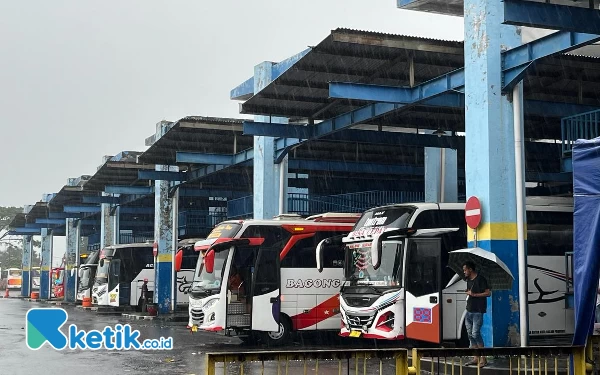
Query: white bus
{"points": [[413, 282], [34, 274], [87, 274], [122, 269], [266, 286], [13, 278]]}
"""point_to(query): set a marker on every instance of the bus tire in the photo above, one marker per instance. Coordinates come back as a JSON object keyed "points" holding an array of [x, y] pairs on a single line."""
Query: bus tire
{"points": [[281, 337]]}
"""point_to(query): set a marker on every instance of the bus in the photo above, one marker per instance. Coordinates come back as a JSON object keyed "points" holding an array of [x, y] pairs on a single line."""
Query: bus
{"points": [[120, 275], [256, 278], [410, 279], [87, 274], [122, 269], [35, 273], [13, 278], [58, 282]]}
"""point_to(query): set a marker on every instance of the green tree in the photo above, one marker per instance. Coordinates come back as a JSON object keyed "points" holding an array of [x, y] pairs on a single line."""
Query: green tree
{"points": [[7, 214]]}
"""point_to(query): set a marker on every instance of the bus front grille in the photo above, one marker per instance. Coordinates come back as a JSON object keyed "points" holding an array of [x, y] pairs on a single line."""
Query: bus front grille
{"points": [[355, 321], [198, 316]]}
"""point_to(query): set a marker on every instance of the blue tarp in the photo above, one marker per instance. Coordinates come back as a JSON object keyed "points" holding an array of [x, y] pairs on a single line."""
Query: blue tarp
{"points": [[586, 235]]}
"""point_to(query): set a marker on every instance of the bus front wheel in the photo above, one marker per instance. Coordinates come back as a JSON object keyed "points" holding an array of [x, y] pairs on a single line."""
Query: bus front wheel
{"points": [[280, 337]]}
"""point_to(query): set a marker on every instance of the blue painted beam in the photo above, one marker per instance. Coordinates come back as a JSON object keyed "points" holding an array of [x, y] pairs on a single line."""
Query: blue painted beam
{"points": [[451, 81], [100, 199], [277, 130], [136, 210], [22, 231], [354, 167], [200, 158], [82, 209], [551, 16], [129, 190], [515, 61], [50, 221], [40, 225], [246, 89], [192, 192], [161, 175]]}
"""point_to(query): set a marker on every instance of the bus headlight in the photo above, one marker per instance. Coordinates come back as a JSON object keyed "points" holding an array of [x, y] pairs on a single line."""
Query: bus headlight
{"points": [[210, 303]]}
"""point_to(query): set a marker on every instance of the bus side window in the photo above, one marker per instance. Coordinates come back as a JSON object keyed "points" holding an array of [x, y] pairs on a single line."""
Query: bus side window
{"points": [[302, 254], [274, 235]]}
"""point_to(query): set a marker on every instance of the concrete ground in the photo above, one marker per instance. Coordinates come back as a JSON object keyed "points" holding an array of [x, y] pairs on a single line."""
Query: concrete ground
{"points": [[186, 357]]}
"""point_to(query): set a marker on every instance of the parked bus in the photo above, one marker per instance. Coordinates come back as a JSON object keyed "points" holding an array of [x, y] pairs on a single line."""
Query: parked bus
{"points": [[120, 275], [13, 278], [257, 278], [35, 273], [58, 282], [122, 269], [413, 240], [87, 275]]}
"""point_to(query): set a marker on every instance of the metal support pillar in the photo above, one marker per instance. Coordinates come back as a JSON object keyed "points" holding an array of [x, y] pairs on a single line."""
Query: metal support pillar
{"points": [[109, 227], [441, 175], [266, 172], [164, 239], [26, 266], [72, 259], [45, 275], [490, 157]]}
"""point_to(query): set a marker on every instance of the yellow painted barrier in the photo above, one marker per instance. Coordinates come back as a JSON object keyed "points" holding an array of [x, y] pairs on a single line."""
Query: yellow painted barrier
{"points": [[530, 360]]}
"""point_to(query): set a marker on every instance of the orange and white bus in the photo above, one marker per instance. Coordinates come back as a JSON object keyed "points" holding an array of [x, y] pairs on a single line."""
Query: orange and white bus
{"points": [[13, 278]]}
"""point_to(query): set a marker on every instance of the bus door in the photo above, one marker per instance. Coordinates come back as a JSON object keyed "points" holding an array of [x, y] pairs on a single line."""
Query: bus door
{"points": [[423, 319], [114, 276], [266, 298]]}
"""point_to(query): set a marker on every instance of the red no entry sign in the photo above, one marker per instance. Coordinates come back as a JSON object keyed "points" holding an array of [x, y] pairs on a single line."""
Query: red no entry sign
{"points": [[473, 212]]}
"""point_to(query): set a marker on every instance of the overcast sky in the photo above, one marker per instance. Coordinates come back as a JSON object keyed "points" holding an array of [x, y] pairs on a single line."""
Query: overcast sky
{"points": [[79, 81]]}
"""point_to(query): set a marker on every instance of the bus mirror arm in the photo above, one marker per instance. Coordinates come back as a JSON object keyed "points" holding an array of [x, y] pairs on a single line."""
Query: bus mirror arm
{"points": [[319, 254], [376, 246]]}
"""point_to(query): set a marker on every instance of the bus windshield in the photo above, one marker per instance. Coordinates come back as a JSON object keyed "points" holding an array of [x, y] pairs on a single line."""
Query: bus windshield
{"points": [[14, 273], [361, 269], [211, 282], [102, 272]]}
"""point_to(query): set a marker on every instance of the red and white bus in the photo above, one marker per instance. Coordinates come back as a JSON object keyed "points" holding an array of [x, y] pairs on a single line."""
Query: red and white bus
{"points": [[258, 278]]}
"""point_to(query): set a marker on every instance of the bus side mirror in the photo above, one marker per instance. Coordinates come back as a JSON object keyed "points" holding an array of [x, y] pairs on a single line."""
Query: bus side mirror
{"points": [[209, 261], [178, 260], [319, 254], [376, 246], [101, 263]]}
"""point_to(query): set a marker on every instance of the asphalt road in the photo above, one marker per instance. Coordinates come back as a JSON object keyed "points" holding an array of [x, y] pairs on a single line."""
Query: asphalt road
{"points": [[186, 357]]}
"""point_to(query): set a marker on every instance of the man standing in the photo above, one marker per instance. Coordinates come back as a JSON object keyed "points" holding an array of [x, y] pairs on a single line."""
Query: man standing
{"points": [[477, 293]]}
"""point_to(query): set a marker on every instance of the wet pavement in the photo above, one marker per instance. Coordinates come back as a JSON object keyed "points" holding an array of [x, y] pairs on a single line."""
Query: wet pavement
{"points": [[186, 357]]}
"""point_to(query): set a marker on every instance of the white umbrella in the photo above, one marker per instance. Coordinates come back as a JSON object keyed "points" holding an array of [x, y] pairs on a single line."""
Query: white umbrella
{"points": [[486, 263]]}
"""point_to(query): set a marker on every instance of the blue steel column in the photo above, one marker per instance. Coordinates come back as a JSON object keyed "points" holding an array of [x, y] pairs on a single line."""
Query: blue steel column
{"points": [[433, 175], [45, 282], [163, 237], [26, 266], [72, 259], [490, 157], [266, 172], [109, 225]]}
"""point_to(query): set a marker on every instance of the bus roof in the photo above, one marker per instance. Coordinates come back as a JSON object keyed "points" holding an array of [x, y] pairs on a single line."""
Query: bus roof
{"points": [[129, 245], [531, 202], [332, 218]]}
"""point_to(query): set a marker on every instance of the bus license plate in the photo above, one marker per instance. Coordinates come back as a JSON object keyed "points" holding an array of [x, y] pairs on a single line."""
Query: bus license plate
{"points": [[355, 334]]}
